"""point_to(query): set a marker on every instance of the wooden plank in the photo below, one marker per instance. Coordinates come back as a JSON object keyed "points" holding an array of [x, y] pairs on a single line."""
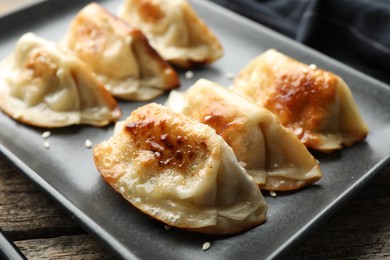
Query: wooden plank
{"points": [[360, 230], [26, 212], [64, 247]]}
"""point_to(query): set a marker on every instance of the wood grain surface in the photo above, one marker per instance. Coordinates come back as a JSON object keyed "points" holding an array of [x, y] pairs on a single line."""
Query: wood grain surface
{"points": [[41, 229]]}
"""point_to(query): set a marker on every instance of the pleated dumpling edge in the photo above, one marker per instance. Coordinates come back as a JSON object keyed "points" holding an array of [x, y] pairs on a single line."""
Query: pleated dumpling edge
{"points": [[174, 30], [119, 54], [180, 172], [316, 105], [271, 154], [42, 86]]}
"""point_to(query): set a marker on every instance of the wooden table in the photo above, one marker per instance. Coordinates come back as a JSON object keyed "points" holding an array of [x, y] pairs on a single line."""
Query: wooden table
{"points": [[41, 229]]}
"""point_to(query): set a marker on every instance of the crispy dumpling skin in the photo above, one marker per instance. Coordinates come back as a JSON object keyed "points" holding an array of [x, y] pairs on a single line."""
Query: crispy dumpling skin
{"points": [[42, 86], [180, 172], [174, 30], [271, 154], [119, 54], [314, 104]]}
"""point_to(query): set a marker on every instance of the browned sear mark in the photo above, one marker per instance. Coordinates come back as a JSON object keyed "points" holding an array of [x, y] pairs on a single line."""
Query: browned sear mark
{"points": [[40, 65], [301, 99], [168, 144], [150, 12]]}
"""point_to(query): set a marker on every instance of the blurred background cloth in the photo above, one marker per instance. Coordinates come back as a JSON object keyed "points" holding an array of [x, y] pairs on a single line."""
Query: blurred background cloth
{"points": [[355, 32]]}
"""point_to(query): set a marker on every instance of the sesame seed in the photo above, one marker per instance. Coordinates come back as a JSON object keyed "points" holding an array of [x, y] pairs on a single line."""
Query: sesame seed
{"points": [[298, 131], [242, 164], [42, 59], [189, 74], [206, 118], [88, 143], [313, 66], [206, 246], [46, 145], [272, 193], [60, 73], [46, 134], [230, 75], [108, 87], [17, 115]]}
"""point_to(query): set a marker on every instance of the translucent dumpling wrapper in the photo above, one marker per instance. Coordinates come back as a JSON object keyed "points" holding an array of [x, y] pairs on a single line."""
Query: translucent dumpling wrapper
{"points": [[42, 86], [316, 105], [119, 54], [272, 155], [174, 30], [180, 172]]}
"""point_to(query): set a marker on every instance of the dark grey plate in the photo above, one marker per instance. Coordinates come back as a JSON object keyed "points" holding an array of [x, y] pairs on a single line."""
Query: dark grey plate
{"points": [[66, 171]]}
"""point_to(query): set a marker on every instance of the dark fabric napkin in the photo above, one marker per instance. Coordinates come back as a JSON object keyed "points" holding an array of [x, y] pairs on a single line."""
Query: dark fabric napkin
{"points": [[355, 32]]}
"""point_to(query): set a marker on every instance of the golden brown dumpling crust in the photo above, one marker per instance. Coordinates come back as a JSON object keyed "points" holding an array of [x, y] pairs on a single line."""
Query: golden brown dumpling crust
{"points": [[159, 141], [181, 172], [119, 54], [307, 104], [224, 118], [150, 12], [309, 101], [271, 154], [148, 131]]}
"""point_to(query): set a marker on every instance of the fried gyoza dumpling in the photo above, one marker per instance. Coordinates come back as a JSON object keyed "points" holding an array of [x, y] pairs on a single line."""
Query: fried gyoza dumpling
{"points": [[272, 155], [174, 30], [316, 105], [41, 86], [120, 55], [180, 172]]}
